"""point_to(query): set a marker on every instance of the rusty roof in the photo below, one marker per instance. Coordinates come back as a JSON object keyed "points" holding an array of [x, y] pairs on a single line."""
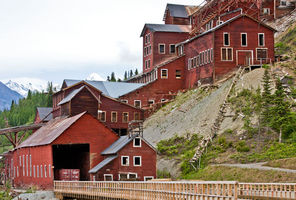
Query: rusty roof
{"points": [[51, 131]]}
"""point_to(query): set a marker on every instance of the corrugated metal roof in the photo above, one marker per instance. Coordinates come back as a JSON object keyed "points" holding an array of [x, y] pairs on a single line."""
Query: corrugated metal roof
{"points": [[177, 10], [45, 113], [166, 28], [111, 89], [71, 96], [51, 131], [102, 164], [117, 145]]}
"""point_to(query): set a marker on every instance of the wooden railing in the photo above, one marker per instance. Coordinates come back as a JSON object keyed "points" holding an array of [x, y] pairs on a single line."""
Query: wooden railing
{"points": [[189, 190], [268, 190], [147, 190]]}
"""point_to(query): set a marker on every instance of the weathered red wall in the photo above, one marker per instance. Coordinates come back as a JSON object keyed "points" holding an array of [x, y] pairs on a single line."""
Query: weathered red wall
{"points": [[175, 20], [148, 167], [160, 88]]}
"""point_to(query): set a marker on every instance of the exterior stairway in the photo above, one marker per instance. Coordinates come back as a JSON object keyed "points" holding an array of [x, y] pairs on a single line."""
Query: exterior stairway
{"points": [[202, 147]]}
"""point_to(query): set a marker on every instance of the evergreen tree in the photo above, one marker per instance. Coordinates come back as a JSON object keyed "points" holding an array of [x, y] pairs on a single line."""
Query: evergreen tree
{"points": [[29, 96], [136, 72], [119, 80], [49, 94], [125, 75], [108, 78], [12, 105], [113, 79], [266, 98], [131, 73], [280, 109]]}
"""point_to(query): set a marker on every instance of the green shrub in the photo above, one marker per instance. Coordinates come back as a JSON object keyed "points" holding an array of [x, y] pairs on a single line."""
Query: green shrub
{"points": [[242, 146]]}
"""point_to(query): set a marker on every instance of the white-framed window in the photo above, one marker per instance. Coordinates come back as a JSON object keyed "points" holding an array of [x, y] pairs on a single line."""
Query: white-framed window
{"points": [[102, 116], [49, 171], [162, 100], [189, 63], [45, 171], [164, 73], [137, 103], [34, 171], [161, 48], [37, 171], [206, 57], [124, 117], [30, 165], [108, 177], [113, 116], [24, 166], [41, 171], [137, 161], [148, 178], [148, 65], [244, 39], [194, 62], [226, 39], [150, 50], [261, 40], [151, 102], [212, 54], [124, 101], [266, 11], [124, 160], [137, 142], [27, 165], [226, 54], [122, 176], [172, 49], [219, 22], [133, 176], [180, 50], [261, 53], [178, 74], [17, 171], [20, 160]]}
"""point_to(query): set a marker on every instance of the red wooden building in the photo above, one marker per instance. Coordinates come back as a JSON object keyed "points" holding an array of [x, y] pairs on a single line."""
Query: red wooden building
{"points": [[178, 14], [100, 99], [43, 114], [76, 142]]}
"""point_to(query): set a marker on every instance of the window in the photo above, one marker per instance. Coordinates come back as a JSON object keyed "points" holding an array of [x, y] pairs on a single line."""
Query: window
{"points": [[164, 73], [161, 48], [41, 171], [30, 165], [34, 172], [124, 101], [17, 171], [148, 178], [283, 3], [49, 171], [124, 160], [149, 38], [124, 117], [261, 41], [123, 177], [27, 165], [113, 116], [132, 176], [180, 50], [45, 171], [226, 54], [194, 62], [261, 54], [37, 171], [244, 39], [136, 116], [149, 49], [137, 103], [189, 63], [108, 177], [219, 22], [163, 100], [20, 160], [212, 55], [148, 63], [226, 39], [206, 57], [24, 166], [102, 115], [178, 74], [137, 161], [137, 142], [172, 49], [198, 61], [266, 11], [150, 102]]}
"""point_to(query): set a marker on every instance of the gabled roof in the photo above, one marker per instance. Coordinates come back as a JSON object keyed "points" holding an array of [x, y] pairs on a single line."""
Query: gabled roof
{"points": [[111, 89], [72, 94], [51, 131], [102, 164], [176, 10], [166, 28], [45, 113], [224, 24]]}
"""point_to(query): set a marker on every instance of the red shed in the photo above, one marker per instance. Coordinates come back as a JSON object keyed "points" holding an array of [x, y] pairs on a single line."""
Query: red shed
{"points": [[129, 158]]}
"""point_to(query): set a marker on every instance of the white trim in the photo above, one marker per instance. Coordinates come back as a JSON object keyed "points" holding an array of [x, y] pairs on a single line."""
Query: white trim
{"points": [[252, 54], [151, 101], [41, 171], [128, 175], [100, 114], [45, 171], [112, 117], [224, 39], [123, 117], [167, 74], [134, 158], [49, 171], [262, 48], [145, 177], [227, 54], [242, 39], [122, 160], [108, 175], [34, 171], [124, 101], [259, 40], [163, 48], [134, 144], [135, 103]]}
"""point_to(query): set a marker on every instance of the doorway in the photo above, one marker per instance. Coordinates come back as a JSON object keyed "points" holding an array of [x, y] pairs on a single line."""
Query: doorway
{"points": [[244, 57]]}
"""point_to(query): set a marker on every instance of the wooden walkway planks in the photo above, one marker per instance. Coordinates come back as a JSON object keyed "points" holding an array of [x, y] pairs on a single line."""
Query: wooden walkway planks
{"points": [[189, 190]]}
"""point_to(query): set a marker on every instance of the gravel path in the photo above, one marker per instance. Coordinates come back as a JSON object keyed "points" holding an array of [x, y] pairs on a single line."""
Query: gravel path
{"points": [[257, 166]]}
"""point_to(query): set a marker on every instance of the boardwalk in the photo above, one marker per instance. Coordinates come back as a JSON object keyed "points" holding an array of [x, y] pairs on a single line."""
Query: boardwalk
{"points": [[189, 190]]}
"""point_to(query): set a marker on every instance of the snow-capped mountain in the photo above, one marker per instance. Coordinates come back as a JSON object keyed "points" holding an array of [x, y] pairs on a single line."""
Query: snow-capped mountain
{"points": [[6, 96], [23, 85], [95, 77]]}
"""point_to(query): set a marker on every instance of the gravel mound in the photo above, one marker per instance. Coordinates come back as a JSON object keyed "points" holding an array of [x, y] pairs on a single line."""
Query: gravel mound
{"points": [[39, 195]]}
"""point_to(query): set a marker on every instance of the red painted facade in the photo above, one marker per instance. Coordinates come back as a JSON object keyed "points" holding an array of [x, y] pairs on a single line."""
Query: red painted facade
{"points": [[147, 168], [175, 20]]}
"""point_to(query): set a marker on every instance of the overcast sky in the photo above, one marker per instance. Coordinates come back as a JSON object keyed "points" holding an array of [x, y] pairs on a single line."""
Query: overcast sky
{"points": [[58, 39]]}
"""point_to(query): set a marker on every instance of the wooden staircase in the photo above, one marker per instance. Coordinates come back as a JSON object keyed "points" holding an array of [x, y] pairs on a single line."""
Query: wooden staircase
{"points": [[202, 147]]}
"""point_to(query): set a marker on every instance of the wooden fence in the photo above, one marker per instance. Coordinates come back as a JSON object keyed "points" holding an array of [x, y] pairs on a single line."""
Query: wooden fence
{"points": [[189, 190], [147, 190]]}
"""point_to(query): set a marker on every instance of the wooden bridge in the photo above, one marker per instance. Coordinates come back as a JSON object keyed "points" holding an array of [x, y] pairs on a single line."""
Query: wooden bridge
{"points": [[189, 190]]}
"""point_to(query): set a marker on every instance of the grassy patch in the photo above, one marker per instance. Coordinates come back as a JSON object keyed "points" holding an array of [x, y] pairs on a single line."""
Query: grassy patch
{"points": [[289, 163], [221, 173]]}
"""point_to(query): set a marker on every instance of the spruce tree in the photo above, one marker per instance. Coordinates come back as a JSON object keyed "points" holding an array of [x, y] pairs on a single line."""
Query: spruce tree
{"points": [[131, 73], [136, 72], [125, 75], [113, 79], [266, 98]]}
